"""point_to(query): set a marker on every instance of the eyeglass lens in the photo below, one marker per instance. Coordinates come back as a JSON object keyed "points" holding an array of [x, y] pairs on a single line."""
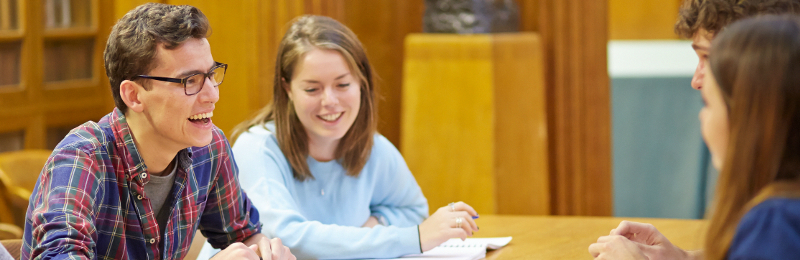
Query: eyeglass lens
{"points": [[195, 83]]}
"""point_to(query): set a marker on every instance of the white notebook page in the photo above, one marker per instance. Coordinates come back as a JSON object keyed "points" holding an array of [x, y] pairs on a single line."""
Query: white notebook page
{"points": [[470, 249]]}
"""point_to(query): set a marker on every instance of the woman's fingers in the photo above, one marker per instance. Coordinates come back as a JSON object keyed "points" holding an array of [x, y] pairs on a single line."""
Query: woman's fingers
{"points": [[461, 206], [457, 232], [467, 223]]}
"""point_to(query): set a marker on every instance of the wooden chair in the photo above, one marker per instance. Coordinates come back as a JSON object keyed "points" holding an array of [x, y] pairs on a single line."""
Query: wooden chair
{"points": [[8, 231], [5, 206], [19, 171]]}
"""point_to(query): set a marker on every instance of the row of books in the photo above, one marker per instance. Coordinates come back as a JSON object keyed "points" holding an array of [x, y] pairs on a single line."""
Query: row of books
{"points": [[57, 13]]}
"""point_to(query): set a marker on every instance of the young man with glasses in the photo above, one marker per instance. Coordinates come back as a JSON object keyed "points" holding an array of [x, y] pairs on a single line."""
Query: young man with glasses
{"points": [[140, 182]]}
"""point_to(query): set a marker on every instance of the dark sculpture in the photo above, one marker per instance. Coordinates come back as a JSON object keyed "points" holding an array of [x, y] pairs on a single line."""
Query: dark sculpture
{"points": [[470, 16]]}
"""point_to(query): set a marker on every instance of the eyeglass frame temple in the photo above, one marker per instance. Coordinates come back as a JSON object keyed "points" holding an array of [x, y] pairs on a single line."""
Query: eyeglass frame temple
{"points": [[183, 80]]}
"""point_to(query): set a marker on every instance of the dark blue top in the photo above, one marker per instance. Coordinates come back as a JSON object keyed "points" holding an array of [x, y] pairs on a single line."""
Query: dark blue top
{"points": [[770, 230]]}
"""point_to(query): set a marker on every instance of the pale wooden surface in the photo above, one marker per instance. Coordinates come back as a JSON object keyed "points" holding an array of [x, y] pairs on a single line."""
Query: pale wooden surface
{"points": [[447, 130], [473, 121], [642, 19], [520, 124], [558, 237], [562, 237]]}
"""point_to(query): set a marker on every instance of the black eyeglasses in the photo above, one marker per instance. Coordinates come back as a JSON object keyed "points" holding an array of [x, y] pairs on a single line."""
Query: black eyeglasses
{"points": [[192, 84]]}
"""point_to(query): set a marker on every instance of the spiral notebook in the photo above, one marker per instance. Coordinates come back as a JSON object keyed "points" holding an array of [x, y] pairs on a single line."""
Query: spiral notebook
{"points": [[470, 249]]}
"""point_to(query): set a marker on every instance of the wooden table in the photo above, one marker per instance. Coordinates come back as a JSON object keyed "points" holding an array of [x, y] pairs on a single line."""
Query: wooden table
{"points": [[563, 237]]}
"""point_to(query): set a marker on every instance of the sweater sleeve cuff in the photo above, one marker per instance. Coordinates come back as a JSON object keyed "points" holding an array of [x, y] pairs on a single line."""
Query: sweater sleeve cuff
{"points": [[419, 239], [407, 241]]}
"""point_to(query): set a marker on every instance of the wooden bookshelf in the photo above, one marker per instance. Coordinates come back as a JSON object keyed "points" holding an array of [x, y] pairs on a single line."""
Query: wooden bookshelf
{"points": [[51, 69]]}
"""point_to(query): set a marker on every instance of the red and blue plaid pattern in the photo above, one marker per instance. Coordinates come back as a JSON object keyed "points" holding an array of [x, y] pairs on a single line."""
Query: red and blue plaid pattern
{"points": [[89, 201]]}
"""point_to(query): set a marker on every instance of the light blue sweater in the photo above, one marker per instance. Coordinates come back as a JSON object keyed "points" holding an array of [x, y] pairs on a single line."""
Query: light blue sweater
{"points": [[316, 225]]}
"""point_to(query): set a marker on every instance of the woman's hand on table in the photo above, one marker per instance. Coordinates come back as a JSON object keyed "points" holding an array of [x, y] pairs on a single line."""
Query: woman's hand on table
{"points": [[615, 247], [650, 241], [453, 220]]}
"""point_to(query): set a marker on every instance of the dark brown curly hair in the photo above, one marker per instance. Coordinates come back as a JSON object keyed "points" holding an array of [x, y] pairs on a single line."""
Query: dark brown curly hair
{"points": [[715, 15], [131, 46]]}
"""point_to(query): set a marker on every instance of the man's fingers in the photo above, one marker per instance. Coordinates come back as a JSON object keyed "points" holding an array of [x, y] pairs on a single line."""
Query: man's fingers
{"points": [[265, 250], [628, 227], [287, 254], [595, 249], [277, 249], [254, 251], [647, 250], [622, 228], [606, 239]]}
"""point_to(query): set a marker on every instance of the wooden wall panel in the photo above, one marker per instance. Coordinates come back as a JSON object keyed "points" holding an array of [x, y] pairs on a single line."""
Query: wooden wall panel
{"points": [[474, 124], [575, 35], [233, 41], [642, 19], [382, 36], [528, 15]]}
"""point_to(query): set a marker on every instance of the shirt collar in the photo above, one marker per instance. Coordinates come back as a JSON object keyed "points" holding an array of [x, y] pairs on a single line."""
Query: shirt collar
{"points": [[132, 159]]}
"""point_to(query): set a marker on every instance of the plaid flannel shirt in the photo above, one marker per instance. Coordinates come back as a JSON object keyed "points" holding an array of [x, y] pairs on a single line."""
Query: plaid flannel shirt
{"points": [[89, 201]]}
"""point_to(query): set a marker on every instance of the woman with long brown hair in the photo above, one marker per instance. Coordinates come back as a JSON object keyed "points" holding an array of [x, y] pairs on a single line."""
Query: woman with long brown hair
{"points": [[751, 124], [324, 181]]}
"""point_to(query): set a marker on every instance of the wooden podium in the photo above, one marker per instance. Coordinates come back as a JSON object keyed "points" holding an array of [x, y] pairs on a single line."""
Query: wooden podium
{"points": [[474, 126]]}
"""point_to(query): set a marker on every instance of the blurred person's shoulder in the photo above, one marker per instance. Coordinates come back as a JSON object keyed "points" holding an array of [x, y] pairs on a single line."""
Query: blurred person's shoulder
{"points": [[770, 230]]}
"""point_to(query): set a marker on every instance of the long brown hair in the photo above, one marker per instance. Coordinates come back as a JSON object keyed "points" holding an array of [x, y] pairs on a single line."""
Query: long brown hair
{"points": [[305, 34], [756, 62]]}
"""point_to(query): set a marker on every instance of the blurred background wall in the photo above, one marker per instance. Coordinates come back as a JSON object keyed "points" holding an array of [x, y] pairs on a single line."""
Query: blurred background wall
{"points": [[661, 165]]}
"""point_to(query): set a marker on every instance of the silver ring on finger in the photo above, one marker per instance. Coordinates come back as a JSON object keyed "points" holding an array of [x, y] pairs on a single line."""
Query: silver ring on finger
{"points": [[459, 220], [452, 206]]}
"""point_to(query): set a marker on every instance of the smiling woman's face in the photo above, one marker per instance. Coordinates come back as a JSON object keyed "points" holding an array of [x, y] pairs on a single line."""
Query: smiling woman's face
{"points": [[325, 94]]}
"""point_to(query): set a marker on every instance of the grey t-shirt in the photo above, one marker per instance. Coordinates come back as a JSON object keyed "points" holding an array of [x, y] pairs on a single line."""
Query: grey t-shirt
{"points": [[158, 189]]}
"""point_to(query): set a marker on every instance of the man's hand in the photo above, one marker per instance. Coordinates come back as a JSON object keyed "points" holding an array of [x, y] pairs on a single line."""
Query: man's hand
{"points": [[269, 249], [652, 243], [616, 247], [237, 251]]}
